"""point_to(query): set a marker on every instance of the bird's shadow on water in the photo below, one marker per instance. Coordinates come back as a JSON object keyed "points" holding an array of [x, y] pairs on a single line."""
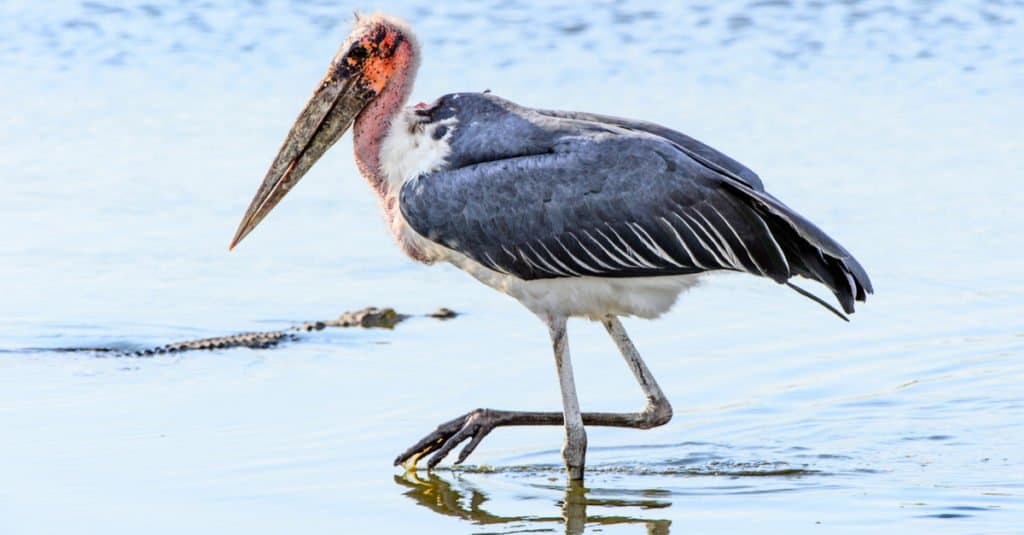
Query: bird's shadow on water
{"points": [[455, 496]]}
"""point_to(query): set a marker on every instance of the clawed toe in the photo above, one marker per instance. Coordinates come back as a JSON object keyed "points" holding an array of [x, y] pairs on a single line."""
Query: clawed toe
{"points": [[474, 426]]}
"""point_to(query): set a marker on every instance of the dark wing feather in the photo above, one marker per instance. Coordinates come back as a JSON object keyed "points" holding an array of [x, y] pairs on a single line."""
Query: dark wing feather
{"points": [[608, 206], [836, 268], [542, 194]]}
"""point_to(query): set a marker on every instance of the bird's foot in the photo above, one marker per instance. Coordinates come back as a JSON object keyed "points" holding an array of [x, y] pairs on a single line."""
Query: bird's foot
{"points": [[474, 425]]}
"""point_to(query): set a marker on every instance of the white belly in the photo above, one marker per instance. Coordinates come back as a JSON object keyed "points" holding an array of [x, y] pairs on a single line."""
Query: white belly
{"points": [[590, 297], [595, 297]]}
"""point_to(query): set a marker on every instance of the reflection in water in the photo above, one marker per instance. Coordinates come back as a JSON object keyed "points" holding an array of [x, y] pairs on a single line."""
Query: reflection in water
{"points": [[458, 498]]}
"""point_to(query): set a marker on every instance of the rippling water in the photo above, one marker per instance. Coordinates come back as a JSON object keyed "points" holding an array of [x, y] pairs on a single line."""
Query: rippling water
{"points": [[134, 136]]}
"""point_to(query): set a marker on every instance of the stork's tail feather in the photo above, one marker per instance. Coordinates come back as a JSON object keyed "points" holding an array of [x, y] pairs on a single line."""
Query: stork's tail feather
{"points": [[825, 304], [813, 254], [843, 275]]}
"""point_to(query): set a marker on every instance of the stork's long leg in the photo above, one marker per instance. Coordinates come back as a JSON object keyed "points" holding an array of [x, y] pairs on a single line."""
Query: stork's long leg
{"points": [[574, 449], [476, 424], [658, 411]]}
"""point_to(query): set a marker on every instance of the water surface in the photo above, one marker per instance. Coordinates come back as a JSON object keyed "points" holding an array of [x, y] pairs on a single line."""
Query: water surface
{"points": [[136, 132]]}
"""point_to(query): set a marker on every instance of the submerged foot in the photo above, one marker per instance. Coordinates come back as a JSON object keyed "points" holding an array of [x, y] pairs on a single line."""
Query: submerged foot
{"points": [[474, 425]]}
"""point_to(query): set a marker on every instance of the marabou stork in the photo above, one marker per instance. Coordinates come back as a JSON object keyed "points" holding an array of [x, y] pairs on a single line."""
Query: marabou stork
{"points": [[573, 214]]}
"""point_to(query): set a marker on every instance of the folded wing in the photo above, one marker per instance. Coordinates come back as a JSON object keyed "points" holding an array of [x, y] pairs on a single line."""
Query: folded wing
{"points": [[622, 202]]}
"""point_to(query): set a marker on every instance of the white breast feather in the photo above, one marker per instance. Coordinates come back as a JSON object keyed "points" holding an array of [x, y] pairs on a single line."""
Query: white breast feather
{"points": [[409, 149]]}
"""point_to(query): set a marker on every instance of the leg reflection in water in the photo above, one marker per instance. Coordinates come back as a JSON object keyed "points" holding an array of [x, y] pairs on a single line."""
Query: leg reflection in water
{"points": [[457, 497]]}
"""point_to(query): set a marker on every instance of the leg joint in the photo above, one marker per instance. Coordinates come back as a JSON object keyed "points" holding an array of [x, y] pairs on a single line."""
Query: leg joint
{"points": [[658, 412]]}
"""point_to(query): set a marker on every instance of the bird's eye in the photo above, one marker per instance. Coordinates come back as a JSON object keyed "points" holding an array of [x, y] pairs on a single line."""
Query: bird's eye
{"points": [[358, 51]]}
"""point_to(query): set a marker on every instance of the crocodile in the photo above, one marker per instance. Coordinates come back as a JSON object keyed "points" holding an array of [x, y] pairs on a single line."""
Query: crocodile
{"points": [[367, 318]]}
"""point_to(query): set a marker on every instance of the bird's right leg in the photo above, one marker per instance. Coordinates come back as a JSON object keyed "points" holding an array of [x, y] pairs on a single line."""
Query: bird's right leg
{"points": [[477, 424]]}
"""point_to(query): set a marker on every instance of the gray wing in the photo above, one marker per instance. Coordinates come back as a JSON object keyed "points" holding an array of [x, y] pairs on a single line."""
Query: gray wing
{"points": [[612, 206], [697, 150], [537, 196]]}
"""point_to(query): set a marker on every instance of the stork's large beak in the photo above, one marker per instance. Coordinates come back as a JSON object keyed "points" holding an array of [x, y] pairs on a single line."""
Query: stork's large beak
{"points": [[328, 114]]}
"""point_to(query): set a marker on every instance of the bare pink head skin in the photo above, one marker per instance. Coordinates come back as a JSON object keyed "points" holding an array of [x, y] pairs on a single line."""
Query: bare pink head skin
{"points": [[398, 77], [365, 86]]}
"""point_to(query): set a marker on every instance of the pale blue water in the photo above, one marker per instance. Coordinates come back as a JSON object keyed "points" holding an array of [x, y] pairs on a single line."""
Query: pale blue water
{"points": [[135, 133]]}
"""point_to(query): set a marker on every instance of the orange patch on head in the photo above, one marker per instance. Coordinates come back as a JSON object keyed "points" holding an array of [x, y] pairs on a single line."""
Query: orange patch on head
{"points": [[381, 58]]}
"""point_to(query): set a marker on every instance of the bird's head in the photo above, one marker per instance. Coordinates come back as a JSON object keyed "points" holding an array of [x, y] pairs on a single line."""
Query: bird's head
{"points": [[375, 53]]}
